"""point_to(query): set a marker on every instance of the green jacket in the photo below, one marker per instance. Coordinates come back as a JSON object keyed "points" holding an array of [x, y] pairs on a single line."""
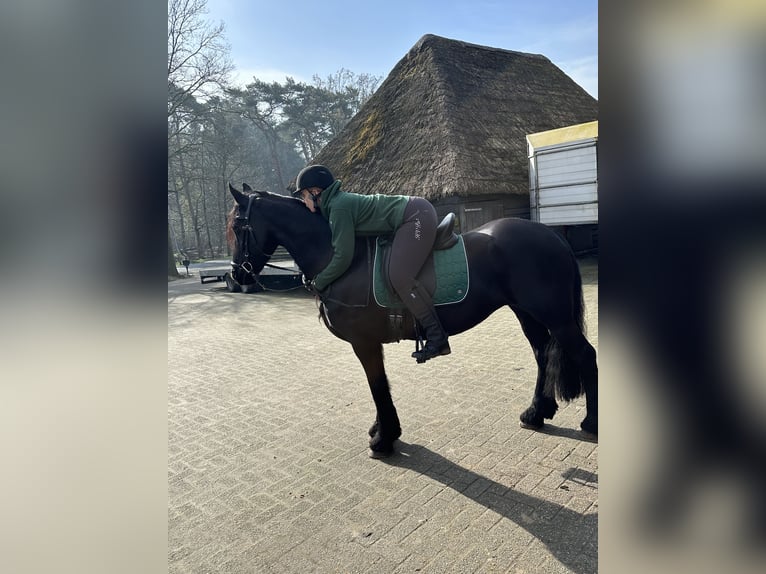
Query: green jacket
{"points": [[352, 214]]}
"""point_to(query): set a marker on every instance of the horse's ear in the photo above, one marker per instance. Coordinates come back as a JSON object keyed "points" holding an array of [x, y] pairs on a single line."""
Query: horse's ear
{"points": [[246, 188], [239, 197]]}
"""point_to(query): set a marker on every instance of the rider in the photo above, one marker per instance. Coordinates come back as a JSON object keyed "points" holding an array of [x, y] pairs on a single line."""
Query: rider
{"points": [[413, 219]]}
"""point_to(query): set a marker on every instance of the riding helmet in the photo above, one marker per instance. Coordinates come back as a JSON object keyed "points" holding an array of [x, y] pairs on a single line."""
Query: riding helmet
{"points": [[313, 176]]}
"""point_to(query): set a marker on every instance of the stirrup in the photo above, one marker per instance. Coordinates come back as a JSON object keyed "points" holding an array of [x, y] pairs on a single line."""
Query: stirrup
{"points": [[430, 351]]}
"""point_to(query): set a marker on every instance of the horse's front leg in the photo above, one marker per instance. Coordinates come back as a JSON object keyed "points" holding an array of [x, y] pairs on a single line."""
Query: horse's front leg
{"points": [[386, 428]]}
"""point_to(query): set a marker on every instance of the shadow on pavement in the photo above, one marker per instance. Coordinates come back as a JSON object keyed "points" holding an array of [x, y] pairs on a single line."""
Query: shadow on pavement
{"points": [[563, 531], [574, 434]]}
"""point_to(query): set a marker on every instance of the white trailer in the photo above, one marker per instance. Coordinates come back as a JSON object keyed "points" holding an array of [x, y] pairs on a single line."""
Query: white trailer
{"points": [[563, 175]]}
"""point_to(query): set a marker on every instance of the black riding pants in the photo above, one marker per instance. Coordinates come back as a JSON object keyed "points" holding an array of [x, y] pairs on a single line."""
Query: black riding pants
{"points": [[413, 242]]}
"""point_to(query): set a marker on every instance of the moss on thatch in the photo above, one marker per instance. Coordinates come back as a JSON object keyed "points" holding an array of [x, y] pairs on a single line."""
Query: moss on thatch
{"points": [[363, 141]]}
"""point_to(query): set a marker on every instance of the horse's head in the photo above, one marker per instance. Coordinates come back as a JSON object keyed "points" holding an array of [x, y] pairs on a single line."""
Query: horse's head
{"points": [[249, 236]]}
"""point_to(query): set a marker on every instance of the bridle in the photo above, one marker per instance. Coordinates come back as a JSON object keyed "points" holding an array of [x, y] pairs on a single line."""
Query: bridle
{"points": [[246, 232]]}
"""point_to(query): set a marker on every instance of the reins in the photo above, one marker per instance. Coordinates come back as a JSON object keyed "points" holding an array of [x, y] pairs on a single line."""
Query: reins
{"points": [[246, 266]]}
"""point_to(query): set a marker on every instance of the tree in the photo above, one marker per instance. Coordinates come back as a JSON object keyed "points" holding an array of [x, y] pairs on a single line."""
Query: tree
{"points": [[262, 134], [198, 55], [313, 116], [319, 112], [355, 90], [262, 104], [198, 67]]}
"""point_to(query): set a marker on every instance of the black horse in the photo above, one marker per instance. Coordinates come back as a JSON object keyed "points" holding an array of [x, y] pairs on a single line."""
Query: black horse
{"points": [[513, 262]]}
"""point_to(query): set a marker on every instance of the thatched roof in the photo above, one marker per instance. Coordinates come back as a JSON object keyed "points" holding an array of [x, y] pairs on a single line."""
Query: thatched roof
{"points": [[451, 119]]}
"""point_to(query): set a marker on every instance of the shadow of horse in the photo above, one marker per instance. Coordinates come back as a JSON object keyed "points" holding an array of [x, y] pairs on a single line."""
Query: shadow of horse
{"points": [[563, 531], [564, 432]]}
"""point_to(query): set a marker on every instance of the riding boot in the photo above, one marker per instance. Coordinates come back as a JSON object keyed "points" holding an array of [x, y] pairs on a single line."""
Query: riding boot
{"points": [[421, 306]]}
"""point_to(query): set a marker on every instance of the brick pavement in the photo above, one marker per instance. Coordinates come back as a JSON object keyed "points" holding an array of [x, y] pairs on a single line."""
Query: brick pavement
{"points": [[267, 449]]}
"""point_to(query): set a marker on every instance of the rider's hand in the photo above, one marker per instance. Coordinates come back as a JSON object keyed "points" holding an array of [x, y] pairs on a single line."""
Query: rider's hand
{"points": [[309, 284]]}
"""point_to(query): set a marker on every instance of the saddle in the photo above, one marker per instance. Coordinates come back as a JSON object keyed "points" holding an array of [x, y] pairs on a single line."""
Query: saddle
{"points": [[444, 274], [445, 233]]}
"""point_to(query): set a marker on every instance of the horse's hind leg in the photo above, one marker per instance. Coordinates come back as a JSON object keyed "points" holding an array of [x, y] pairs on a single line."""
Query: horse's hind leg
{"points": [[580, 354], [386, 428], [543, 405]]}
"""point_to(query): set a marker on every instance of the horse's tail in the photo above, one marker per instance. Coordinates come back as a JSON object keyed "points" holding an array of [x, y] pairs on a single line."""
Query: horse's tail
{"points": [[562, 374]]}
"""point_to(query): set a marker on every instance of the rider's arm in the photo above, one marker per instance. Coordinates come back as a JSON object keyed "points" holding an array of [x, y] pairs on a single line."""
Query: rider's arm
{"points": [[343, 240]]}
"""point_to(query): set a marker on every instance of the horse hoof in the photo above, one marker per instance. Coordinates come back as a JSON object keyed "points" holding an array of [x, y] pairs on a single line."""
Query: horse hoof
{"points": [[533, 419], [589, 436], [589, 428], [529, 426], [378, 454]]}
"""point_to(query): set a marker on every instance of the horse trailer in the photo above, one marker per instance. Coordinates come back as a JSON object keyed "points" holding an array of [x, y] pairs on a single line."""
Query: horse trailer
{"points": [[563, 182]]}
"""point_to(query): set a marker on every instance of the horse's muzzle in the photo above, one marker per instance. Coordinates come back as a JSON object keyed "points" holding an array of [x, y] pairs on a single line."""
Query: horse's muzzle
{"points": [[237, 287], [233, 285]]}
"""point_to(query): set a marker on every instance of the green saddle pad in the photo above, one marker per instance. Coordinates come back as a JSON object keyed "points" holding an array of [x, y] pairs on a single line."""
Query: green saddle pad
{"points": [[450, 267]]}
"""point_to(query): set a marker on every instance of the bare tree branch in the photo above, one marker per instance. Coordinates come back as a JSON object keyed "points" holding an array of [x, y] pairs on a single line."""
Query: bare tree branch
{"points": [[198, 54]]}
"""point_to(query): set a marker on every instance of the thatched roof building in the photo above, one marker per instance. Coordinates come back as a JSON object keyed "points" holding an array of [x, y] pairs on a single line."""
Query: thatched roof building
{"points": [[449, 123]]}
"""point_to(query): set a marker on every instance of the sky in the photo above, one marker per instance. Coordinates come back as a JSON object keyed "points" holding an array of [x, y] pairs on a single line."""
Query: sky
{"points": [[301, 38]]}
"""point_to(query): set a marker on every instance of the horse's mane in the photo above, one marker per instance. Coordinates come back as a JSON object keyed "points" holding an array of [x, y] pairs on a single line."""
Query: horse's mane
{"points": [[230, 239]]}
